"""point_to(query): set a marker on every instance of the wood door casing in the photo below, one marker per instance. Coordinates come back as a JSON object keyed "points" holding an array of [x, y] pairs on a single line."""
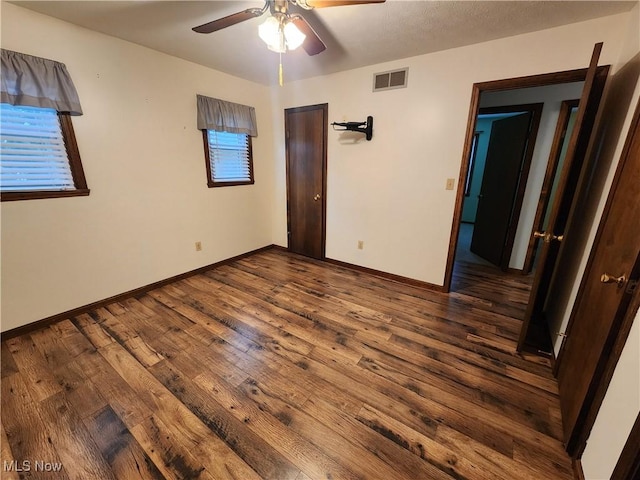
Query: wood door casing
{"points": [[600, 315], [306, 153], [540, 80], [534, 333], [505, 154]]}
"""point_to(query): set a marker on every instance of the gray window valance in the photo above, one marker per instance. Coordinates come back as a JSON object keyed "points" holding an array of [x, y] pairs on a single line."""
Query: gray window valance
{"points": [[222, 116], [37, 82]]}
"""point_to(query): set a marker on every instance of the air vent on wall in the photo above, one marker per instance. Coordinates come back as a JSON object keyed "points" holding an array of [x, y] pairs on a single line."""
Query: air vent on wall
{"points": [[390, 80]]}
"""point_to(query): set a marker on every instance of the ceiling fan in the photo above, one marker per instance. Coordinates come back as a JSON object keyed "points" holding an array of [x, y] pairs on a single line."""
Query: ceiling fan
{"points": [[282, 30]]}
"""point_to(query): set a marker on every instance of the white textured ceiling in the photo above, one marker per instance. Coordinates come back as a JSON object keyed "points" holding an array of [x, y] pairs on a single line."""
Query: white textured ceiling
{"points": [[355, 35]]}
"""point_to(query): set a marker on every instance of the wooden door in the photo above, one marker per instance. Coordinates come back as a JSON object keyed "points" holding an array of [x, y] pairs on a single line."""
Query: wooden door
{"points": [[534, 334], [505, 154], [603, 301], [564, 126], [306, 151]]}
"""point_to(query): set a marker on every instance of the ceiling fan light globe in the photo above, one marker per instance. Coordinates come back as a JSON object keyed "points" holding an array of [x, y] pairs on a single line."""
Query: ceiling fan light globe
{"points": [[277, 47], [293, 36], [269, 31]]}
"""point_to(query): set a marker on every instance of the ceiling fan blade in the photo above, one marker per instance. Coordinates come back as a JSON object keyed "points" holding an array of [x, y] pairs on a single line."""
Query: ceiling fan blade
{"points": [[312, 43], [338, 3], [229, 20]]}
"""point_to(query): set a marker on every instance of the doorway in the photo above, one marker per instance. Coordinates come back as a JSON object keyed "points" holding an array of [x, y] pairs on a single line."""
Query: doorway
{"points": [[541, 343], [499, 165], [306, 162]]}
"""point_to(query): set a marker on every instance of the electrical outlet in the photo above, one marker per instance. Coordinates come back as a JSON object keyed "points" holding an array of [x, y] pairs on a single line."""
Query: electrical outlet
{"points": [[198, 246], [450, 183], [360, 244]]}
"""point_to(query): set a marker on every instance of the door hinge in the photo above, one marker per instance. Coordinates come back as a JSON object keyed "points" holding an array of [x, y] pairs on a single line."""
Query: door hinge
{"points": [[631, 286]]}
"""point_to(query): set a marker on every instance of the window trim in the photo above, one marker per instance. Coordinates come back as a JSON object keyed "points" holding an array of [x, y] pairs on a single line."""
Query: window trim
{"points": [[77, 172], [211, 183]]}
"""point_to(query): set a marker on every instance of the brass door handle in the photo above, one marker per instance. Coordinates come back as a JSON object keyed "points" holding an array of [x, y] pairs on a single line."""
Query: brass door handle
{"points": [[548, 236], [606, 278], [316, 197]]}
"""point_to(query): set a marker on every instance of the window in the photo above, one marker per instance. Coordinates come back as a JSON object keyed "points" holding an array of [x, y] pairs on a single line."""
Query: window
{"points": [[229, 158], [38, 154], [227, 129]]}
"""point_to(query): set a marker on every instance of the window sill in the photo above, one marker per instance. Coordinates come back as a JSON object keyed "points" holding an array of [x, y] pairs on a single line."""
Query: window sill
{"points": [[13, 196], [228, 184]]}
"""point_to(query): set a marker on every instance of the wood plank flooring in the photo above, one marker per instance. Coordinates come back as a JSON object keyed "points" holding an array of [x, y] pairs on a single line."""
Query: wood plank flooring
{"points": [[281, 367]]}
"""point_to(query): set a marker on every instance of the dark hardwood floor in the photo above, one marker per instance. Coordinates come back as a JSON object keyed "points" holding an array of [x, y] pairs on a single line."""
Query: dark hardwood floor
{"points": [[280, 367]]}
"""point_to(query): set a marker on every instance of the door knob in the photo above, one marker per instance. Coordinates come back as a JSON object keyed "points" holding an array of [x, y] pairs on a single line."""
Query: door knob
{"points": [[548, 236], [316, 197], [606, 278]]}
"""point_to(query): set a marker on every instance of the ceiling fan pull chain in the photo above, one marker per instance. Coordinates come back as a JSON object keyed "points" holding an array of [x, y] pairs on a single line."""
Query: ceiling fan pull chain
{"points": [[280, 80]]}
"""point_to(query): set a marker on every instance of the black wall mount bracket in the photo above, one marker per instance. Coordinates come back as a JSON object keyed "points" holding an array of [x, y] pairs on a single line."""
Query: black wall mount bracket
{"points": [[362, 127]]}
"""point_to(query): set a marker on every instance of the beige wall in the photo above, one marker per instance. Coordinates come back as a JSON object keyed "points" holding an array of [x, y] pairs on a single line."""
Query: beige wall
{"points": [[618, 413], [144, 162], [390, 192]]}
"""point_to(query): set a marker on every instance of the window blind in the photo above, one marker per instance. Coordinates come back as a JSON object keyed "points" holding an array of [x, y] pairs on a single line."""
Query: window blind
{"points": [[229, 156], [33, 156]]}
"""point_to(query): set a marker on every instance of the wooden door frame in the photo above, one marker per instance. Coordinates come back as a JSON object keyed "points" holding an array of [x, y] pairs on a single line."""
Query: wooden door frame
{"points": [[559, 138], [536, 114], [541, 80], [620, 328], [325, 122]]}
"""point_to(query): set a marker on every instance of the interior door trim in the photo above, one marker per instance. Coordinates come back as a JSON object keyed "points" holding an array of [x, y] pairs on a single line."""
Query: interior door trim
{"points": [[541, 80], [325, 121]]}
